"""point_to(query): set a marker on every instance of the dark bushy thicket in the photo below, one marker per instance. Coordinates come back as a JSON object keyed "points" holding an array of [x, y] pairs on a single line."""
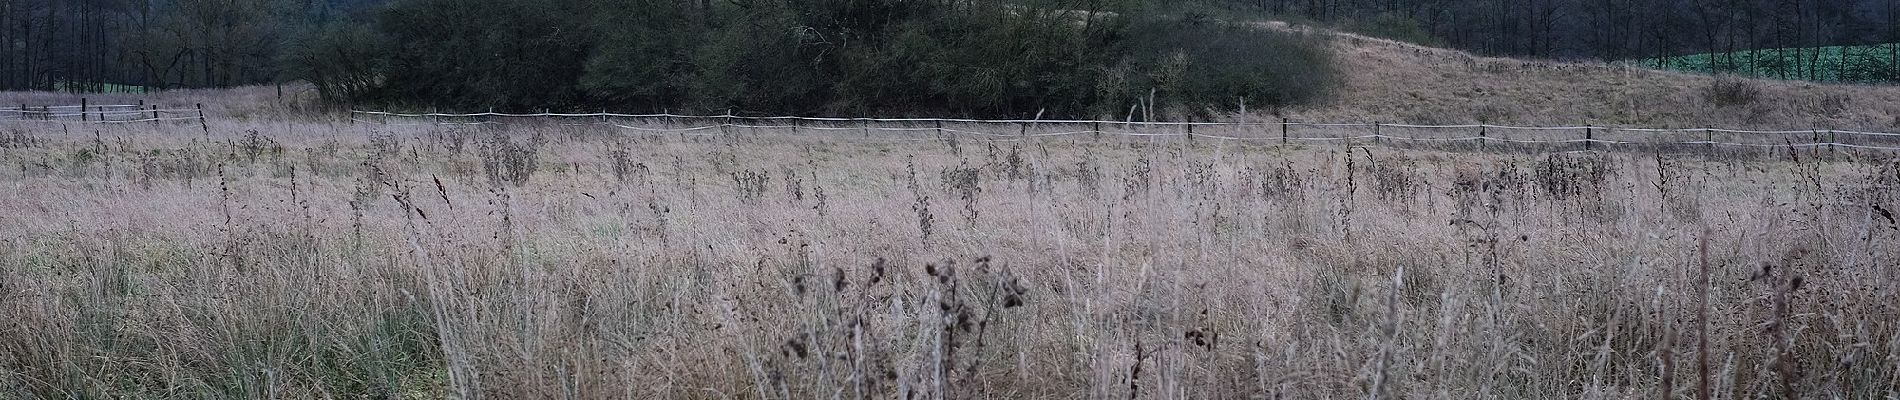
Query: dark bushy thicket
{"points": [[836, 57], [1206, 65]]}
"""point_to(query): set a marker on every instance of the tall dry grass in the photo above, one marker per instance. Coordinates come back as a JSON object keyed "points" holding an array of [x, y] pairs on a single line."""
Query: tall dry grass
{"points": [[285, 259]]}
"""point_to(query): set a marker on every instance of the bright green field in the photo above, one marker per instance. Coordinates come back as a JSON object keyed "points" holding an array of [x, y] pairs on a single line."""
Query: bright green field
{"points": [[1856, 64]]}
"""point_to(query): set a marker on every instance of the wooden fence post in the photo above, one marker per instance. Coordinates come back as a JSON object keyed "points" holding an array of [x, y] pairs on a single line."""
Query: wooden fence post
{"points": [[1589, 136], [1484, 137], [201, 119], [1832, 139], [1283, 123], [82, 109], [725, 122], [1096, 128], [135, 114], [939, 124]]}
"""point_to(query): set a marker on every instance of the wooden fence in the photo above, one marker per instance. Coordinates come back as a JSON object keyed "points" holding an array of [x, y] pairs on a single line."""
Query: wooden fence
{"points": [[85, 112], [1284, 131]]}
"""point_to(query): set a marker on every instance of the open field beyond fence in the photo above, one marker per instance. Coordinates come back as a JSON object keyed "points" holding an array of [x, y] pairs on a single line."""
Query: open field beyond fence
{"points": [[538, 260]]}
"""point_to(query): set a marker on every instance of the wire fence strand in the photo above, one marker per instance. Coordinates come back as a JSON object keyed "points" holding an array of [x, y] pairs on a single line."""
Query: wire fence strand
{"points": [[1586, 135]]}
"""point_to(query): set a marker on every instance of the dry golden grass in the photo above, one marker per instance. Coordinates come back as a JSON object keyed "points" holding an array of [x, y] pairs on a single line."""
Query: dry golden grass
{"points": [[291, 254], [327, 260]]}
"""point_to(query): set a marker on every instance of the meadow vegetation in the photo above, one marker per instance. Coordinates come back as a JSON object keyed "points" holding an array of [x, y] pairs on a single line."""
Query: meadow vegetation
{"points": [[320, 259], [284, 251]]}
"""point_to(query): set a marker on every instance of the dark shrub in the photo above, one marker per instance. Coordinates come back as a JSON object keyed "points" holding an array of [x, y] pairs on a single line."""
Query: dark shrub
{"points": [[836, 57], [1196, 65]]}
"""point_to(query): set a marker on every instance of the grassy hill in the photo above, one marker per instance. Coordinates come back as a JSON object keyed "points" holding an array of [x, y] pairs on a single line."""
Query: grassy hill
{"points": [[1386, 80]]}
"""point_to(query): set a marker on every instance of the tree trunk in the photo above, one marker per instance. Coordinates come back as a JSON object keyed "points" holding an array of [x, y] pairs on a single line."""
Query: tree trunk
{"points": [[1893, 41], [6, 45]]}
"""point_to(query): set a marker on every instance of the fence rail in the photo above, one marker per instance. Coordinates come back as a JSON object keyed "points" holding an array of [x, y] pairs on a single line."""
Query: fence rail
{"points": [[1538, 138], [100, 113]]}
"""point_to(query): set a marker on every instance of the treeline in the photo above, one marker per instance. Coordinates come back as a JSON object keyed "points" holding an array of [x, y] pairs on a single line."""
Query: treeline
{"points": [[1620, 29], [135, 45], [948, 57], [834, 57]]}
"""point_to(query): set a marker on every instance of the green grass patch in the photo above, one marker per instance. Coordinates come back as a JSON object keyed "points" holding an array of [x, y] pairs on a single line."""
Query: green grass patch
{"points": [[1847, 64]]}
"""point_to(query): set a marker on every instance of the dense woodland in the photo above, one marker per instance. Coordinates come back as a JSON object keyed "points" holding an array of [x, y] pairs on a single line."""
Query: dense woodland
{"points": [[118, 45], [971, 57], [1055, 58]]}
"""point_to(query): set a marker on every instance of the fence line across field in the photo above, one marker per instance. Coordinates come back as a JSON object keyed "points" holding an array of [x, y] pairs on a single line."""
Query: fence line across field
{"points": [[812, 119], [100, 113], [56, 112], [1588, 136], [1072, 122]]}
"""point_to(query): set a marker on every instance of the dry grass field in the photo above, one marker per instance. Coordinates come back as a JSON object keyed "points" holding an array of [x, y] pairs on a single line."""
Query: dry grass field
{"points": [[329, 260], [284, 252]]}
